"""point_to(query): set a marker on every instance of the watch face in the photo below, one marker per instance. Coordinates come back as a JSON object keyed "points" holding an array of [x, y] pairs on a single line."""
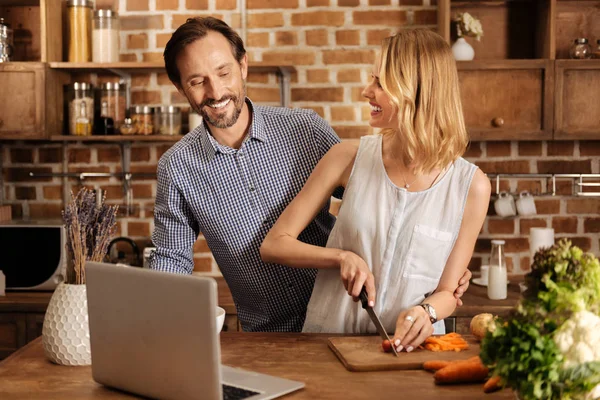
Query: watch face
{"points": [[431, 311]]}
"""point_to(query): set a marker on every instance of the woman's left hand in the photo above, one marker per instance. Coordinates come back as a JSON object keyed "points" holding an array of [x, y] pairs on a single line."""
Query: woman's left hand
{"points": [[412, 328]]}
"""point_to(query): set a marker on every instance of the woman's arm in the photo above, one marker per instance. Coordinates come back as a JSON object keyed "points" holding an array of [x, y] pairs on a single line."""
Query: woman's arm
{"points": [[281, 245], [411, 334]]}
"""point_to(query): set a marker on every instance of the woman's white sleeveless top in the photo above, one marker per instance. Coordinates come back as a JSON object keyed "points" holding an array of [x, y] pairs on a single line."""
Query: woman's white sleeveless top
{"points": [[404, 237]]}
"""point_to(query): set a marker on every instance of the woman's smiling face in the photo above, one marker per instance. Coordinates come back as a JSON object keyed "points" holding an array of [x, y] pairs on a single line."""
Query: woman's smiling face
{"points": [[383, 113]]}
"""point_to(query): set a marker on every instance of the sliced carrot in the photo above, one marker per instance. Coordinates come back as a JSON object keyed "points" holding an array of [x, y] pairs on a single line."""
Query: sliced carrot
{"points": [[449, 342], [492, 384]]}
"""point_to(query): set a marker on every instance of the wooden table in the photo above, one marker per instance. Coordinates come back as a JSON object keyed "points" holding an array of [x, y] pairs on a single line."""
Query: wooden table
{"points": [[27, 374]]}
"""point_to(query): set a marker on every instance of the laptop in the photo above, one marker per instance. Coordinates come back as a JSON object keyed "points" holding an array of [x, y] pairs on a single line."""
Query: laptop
{"points": [[155, 334]]}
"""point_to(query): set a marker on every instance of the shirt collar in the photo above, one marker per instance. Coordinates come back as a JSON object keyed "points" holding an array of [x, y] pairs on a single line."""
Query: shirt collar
{"points": [[257, 131]]}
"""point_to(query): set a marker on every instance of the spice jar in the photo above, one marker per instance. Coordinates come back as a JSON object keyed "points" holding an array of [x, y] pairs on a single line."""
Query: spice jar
{"points": [[142, 119], [580, 49], [105, 36], [596, 53], [80, 105], [114, 95], [128, 127], [6, 41], [167, 120], [79, 29]]}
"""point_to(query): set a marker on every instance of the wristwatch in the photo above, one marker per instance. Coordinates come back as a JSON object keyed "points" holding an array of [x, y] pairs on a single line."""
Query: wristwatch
{"points": [[430, 311]]}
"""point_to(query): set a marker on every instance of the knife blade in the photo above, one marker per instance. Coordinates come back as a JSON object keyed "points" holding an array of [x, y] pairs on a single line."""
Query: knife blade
{"points": [[364, 299]]}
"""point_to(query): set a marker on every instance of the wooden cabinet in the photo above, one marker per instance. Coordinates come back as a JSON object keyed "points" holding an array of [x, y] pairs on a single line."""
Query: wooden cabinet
{"points": [[520, 86], [13, 328], [30, 92], [509, 99], [18, 329], [577, 113]]}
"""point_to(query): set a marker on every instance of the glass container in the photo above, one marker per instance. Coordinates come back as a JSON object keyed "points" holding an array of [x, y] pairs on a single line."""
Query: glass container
{"points": [[6, 41], [105, 36], [142, 117], [80, 106], [497, 279], [128, 127], [167, 120], [79, 30], [580, 49], [114, 95]]}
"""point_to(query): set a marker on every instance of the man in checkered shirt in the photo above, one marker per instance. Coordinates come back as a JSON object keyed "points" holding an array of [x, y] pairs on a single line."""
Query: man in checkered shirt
{"points": [[232, 176]]}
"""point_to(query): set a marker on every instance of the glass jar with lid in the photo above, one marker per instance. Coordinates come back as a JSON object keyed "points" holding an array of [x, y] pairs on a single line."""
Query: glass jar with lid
{"points": [[114, 94], [142, 118], [580, 49], [167, 120], [6, 41], [80, 108], [105, 36], [79, 30]]}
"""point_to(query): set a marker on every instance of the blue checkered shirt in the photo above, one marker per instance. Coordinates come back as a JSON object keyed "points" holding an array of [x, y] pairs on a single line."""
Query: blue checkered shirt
{"points": [[233, 197]]}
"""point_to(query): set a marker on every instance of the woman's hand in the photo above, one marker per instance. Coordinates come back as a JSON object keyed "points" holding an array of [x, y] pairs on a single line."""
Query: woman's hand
{"points": [[412, 328], [355, 274]]}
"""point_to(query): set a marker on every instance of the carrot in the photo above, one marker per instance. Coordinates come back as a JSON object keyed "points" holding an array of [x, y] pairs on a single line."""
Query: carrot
{"points": [[449, 342], [492, 384], [462, 372], [435, 365]]}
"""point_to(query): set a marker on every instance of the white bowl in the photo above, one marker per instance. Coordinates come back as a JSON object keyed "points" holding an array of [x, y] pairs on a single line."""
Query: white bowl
{"points": [[220, 318]]}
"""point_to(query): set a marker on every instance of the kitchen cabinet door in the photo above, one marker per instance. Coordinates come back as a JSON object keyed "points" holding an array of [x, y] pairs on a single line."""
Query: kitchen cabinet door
{"points": [[12, 333], [32, 98], [577, 113], [35, 323], [507, 100]]}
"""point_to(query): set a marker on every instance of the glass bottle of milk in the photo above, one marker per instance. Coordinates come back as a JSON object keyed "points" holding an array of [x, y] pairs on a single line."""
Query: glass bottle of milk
{"points": [[497, 276]]}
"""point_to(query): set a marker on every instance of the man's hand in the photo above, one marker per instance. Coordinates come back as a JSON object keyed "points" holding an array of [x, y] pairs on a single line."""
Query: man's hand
{"points": [[463, 285]]}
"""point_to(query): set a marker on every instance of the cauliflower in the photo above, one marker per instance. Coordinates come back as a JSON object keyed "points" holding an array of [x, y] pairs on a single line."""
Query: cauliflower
{"points": [[578, 340]]}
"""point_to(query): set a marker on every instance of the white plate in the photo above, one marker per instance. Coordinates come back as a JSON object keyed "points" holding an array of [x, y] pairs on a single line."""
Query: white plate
{"points": [[479, 282]]}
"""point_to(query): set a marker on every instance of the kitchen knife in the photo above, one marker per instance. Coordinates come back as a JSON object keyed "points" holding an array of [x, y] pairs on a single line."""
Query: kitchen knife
{"points": [[364, 299]]}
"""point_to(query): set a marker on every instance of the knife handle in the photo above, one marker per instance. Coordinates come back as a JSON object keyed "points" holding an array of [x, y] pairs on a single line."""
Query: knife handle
{"points": [[364, 298]]}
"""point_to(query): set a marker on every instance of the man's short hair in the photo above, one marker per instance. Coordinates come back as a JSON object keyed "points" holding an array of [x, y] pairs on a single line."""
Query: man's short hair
{"points": [[192, 30]]}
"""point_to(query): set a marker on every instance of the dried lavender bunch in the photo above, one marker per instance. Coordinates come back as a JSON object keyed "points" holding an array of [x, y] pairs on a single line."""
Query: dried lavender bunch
{"points": [[89, 231]]}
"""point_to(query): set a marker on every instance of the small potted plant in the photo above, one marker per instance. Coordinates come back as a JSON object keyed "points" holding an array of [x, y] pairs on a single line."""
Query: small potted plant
{"points": [[89, 227], [466, 25]]}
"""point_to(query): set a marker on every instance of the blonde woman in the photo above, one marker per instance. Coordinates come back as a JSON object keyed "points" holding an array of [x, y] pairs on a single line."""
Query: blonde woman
{"points": [[412, 207]]}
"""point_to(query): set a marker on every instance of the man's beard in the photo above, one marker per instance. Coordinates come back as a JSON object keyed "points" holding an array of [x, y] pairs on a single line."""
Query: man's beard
{"points": [[224, 121]]}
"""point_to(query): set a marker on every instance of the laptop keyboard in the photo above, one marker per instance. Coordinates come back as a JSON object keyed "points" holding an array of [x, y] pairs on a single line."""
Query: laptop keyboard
{"points": [[235, 393]]}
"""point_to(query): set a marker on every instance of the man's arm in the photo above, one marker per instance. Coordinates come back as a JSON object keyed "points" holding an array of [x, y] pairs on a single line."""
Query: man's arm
{"points": [[175, 229]]}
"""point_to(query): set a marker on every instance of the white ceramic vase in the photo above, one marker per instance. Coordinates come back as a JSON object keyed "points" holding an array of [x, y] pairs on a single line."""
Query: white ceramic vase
{"points": [[66, 334], [462, 50]]}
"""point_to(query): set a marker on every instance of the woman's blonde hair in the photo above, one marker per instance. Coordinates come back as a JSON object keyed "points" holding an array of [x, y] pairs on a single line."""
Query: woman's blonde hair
{"points": [[418, 72]]}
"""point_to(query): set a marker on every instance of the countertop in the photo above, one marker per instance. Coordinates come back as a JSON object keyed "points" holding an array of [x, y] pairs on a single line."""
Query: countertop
{"points": [[27, 374], [475, 300]]}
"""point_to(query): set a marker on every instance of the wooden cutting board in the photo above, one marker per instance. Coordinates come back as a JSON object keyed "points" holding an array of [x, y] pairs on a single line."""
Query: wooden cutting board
{"points": [[364, 353]]}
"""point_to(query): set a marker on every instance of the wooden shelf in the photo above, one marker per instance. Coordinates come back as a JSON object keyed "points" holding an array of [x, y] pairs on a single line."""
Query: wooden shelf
{"points": [[116, 138], [154, 66], [93, 138]]}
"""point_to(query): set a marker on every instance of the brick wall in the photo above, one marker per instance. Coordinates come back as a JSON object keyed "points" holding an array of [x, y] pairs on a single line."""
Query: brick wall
{"points": [[332, 44]]}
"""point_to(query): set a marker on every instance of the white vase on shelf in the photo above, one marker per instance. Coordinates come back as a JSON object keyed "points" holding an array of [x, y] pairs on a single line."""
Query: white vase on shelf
{"points": [[462, 50]]}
